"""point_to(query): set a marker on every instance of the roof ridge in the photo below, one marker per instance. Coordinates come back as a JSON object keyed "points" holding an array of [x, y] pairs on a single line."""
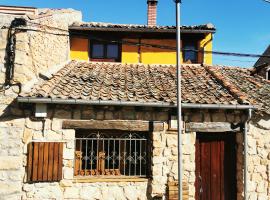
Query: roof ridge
{"points": [[208, 25], [225, 82]]}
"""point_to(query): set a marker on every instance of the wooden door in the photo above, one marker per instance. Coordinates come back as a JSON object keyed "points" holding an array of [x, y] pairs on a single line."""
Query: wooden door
{"points": [[215, 166]]}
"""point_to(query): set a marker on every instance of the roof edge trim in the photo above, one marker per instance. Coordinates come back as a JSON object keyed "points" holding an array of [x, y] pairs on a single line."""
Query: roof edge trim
{"points": [[130, 103], [149, 30]]}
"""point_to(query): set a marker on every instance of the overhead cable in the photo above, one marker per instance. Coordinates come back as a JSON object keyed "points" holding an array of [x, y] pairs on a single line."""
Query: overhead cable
{"points": [[221, 53]]}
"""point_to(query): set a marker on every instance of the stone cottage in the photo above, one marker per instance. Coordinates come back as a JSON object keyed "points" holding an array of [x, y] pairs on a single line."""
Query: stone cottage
{"points": [[103, 130]]}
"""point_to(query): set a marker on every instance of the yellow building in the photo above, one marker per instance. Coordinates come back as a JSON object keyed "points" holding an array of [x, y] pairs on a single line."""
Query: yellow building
{"points": [[139, 43], [148, 44]]}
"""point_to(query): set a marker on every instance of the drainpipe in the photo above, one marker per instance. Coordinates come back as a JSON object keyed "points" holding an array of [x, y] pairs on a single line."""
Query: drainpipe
{"points": [[246, 153]]}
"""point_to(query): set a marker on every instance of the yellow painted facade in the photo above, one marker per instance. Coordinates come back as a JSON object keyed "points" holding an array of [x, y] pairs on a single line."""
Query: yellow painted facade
{"points": [[129, 52], [153, 55], [143, 54], [79, 48], [207, 45]]}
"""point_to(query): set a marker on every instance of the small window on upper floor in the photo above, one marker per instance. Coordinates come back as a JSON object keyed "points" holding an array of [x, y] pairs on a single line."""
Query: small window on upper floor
{"points": [[106, 52], [97, 51], [189, 53]]}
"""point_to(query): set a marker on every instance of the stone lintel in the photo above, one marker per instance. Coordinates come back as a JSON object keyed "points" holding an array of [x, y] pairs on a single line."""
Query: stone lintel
{"points": [[123, 125], [212, 127]]}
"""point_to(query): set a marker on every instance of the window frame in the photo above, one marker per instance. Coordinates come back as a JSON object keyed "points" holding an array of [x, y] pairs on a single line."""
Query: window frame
{"points": [[78, 159], [105, 50]]}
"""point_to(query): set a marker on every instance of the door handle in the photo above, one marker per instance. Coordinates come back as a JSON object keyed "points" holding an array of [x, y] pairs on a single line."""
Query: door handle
{"points": [[200, 184]]}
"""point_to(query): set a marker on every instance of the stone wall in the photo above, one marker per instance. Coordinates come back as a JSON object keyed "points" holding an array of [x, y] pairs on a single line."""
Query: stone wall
{"points": [[20, 128], [12, 160], [188, 149], [71, 187], [24, 128], [39, 48], [95, 191], [259, 162], [41, 44]]}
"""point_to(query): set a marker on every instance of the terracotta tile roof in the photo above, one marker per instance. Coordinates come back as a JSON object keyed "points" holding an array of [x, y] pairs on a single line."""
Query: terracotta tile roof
{"points": [[255, 89], [134, 83], [155, 83], [101, 25]]}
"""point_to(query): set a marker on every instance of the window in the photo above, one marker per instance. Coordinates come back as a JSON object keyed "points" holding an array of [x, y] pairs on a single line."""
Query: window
{"points": [[111, 154], [189, 53], [98, 51], [101, 51], [112, 51]]}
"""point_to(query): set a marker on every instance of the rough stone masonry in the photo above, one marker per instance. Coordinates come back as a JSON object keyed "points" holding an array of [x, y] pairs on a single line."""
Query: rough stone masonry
{"points": [[38, 49]]}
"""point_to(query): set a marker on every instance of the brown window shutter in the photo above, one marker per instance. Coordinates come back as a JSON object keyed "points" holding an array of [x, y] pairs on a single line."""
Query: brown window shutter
{"points": [[200, 53], [44, 162]]}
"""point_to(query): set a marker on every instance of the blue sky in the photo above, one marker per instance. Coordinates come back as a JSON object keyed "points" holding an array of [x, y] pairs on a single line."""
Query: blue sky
{"points": [[242, 25]]}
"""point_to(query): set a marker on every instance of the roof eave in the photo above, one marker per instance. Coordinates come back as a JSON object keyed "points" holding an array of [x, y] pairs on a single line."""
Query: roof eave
{"points": [[130, 103], [145, 30], [6, 6]]}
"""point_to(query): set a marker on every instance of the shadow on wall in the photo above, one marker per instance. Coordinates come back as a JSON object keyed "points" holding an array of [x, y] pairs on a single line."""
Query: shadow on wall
{"points": [[14, 111], [149, 192]]}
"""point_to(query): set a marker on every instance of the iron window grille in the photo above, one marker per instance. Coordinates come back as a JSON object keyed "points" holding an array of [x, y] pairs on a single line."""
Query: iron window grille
{"points": [[107, 154]]}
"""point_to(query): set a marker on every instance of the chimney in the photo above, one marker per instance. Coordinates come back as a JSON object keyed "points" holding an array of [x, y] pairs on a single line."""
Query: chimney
{"points": [[152, 12]]}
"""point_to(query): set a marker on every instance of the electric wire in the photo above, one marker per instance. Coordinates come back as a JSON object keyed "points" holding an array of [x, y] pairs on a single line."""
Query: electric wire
{"points": [[235, 60], [221, 53]]}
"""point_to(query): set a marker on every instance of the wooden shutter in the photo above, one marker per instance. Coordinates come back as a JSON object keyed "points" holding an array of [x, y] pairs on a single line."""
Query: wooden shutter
{"points": [[200, 53], [44, 161]]}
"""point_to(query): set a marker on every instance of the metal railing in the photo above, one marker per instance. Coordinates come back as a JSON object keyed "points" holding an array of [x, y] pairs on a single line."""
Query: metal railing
{"points": [[100, 154]]}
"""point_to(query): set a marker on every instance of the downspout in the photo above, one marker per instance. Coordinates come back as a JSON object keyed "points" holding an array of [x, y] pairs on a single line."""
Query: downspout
{"points": [[246, 153]]}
